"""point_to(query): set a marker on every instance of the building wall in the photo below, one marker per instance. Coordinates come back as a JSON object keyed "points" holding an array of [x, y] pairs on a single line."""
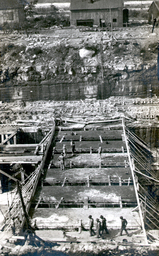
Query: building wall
{"points": [[96, 15], [11, 16]]}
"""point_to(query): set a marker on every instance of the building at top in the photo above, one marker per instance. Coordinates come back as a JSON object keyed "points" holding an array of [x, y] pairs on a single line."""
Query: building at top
{"points": [[12, 11], [96, 12], [153, 12]]}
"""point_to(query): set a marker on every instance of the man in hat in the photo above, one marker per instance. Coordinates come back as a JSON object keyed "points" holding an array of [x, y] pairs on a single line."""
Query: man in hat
{"points": [[103, 225], [91, 224], [123, 225]]}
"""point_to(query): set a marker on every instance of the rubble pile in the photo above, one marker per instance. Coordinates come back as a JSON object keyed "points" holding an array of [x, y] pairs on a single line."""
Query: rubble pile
{"points": [[139, 109]]}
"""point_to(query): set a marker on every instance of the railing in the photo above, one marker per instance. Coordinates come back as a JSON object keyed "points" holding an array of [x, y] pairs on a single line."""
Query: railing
{"points": [[141, 155]]}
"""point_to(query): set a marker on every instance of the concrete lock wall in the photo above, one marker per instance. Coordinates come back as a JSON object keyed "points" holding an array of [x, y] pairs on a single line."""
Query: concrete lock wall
{"points": [[115, 15]]}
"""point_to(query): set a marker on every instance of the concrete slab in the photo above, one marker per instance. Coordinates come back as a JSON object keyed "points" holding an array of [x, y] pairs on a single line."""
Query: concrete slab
{"points": [[81, 174], [94, 194]]}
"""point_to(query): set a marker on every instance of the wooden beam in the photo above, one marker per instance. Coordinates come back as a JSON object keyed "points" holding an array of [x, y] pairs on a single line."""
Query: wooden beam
{"points": [[9, 176], [32, 159]]}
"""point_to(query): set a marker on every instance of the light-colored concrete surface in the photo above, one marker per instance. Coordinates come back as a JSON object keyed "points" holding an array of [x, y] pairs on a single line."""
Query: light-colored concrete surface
{"points": [[114, 235], [70, 217]]}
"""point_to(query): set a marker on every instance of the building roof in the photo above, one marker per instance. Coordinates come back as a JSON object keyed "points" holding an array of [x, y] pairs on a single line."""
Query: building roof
{"points": [[157, 4], [12, 4], [95, 4]]}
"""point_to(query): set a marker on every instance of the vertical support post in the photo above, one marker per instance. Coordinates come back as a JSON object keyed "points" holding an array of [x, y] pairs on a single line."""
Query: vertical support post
{"points": [[90, 150], [120, 183], [109, 180], [86, 206], [121, 205], [88, 181], [15, 140], [2, 138], [80, 227]]}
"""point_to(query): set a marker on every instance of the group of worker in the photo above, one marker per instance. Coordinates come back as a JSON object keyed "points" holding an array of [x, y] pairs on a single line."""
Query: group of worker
{"points": [[101, 226], [62, 157]]}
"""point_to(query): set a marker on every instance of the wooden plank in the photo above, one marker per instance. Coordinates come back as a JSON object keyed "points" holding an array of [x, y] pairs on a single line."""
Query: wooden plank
{"points": [[20, 159], [21, 145]]}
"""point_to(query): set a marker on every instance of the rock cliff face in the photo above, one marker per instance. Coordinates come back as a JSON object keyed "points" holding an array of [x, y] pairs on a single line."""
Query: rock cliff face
{"points": [[99, 64]]}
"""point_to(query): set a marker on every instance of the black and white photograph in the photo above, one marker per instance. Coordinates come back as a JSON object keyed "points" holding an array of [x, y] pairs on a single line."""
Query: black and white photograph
{"points": [[79, 128]]}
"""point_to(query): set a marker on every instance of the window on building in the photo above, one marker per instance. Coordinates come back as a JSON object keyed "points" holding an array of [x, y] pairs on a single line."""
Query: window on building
{"points": [[114, 20]]}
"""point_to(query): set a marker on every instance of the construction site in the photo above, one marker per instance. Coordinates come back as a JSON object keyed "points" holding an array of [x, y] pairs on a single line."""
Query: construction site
{"points": [[79, 137]]}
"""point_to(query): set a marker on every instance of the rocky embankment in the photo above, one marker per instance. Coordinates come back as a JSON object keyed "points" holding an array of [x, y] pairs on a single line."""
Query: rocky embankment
{"points": [[64, 56]]}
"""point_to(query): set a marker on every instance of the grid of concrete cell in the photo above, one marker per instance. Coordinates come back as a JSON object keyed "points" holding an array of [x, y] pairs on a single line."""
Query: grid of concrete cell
{"points": [[96, 175]]}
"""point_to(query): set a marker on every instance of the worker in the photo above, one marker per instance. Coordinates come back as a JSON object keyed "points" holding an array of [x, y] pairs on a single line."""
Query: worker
{"points": [[62, 161], [91, 224], [64, 150], [72, 147], [103, 225], [53, 152], [98, 228], [154, 22], [123, 225]]}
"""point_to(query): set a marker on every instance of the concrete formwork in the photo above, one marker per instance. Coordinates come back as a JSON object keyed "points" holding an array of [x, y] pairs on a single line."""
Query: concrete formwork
{"points": [[92, 182]]}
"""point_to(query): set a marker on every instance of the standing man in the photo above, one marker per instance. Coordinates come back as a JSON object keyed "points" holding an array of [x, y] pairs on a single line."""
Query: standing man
{"points": [[123, 225], [72, 147], [103, 225], [91, 224], [98, 228], [62, 161]]}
